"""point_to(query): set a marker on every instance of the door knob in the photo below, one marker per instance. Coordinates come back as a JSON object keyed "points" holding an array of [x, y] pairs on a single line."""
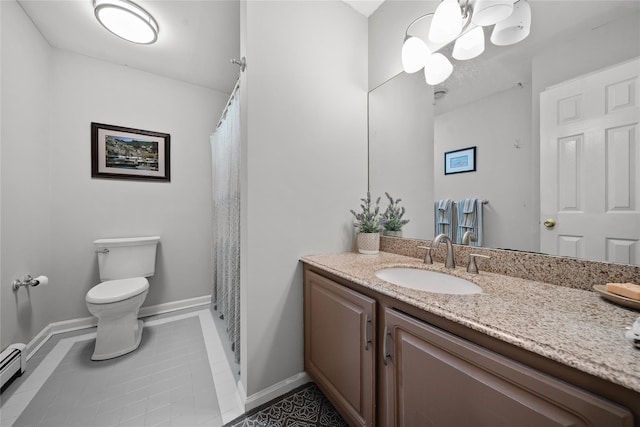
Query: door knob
{"points": [[550, 223]]}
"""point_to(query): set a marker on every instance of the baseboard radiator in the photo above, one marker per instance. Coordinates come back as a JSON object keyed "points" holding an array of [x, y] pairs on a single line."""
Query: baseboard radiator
{"points": [[13, 362]]}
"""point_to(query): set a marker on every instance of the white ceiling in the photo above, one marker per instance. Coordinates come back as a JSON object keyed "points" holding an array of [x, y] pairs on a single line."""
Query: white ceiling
{"points": [[197, 39], [196, 43], [365, 7]]}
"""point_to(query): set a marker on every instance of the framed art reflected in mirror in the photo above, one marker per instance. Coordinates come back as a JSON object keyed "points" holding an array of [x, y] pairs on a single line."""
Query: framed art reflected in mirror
{"points": [[459, 161]]}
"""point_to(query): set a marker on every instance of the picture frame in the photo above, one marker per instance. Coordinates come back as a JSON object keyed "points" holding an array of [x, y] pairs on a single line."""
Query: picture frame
{"points": [[459, 161], [119, 152]]}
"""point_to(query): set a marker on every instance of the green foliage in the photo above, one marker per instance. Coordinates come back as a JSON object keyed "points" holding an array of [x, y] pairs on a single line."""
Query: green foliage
{"points": [[392, 217], [368, 220]]}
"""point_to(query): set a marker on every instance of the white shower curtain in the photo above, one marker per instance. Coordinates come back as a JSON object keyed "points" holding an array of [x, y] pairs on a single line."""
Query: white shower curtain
{"points": [[225, 150]]}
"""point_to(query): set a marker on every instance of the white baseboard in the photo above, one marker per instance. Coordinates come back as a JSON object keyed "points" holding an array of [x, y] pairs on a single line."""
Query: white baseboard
{"points": [[174, 306], [89, 322], [58, 328], [270, 393]]}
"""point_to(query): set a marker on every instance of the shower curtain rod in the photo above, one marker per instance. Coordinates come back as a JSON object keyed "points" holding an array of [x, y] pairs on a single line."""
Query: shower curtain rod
{"points": [[226, 107], [243, 65]]}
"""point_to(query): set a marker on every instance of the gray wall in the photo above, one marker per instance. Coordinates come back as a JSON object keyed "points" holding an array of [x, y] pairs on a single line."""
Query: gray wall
{"points": [[25, 192], [499, 126], [304, 154], [52, 209], [400, 145]]}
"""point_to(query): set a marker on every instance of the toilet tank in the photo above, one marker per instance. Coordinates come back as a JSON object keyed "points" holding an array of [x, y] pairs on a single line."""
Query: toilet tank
{"points": [[126, 257]]}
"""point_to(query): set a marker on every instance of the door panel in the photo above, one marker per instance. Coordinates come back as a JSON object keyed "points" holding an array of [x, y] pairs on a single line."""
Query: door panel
{"points": [[589, 166]]}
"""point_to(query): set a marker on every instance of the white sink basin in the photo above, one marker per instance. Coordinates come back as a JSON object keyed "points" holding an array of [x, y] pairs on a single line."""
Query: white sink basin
{"points": [[429, 281]]}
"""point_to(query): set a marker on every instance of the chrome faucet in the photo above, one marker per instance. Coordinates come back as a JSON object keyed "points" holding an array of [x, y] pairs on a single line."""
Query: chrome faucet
{"points": [[468, 237], [450, 262]]}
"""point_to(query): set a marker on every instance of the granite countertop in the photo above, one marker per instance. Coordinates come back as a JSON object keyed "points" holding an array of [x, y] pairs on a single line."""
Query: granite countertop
{"points": [[572, 326]]}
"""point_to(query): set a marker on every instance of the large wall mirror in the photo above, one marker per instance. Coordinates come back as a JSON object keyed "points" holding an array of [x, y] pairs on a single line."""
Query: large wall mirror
{"points": [[493, 103]]}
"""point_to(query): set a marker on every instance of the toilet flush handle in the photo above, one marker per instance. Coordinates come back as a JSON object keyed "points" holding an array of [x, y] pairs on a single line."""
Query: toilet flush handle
{"points": [[102, 251]]}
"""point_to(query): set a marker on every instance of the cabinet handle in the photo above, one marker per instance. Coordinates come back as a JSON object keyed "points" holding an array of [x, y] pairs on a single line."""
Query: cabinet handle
{"points": [[386, 346], [367, 331]]}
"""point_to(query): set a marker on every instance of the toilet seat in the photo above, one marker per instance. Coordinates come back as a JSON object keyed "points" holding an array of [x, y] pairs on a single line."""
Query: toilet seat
{"points": [[117, 290]]}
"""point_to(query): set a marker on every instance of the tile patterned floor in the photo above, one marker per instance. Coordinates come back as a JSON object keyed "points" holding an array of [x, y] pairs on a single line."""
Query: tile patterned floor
{"points": [[179, 376], [305, 406]]}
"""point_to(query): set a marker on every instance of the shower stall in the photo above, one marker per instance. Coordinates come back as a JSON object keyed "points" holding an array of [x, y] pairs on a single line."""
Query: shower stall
{"points": [[225, 151]]}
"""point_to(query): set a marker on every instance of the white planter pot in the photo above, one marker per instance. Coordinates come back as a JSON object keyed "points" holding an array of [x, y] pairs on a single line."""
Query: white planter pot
{"points": [[368, 243]]}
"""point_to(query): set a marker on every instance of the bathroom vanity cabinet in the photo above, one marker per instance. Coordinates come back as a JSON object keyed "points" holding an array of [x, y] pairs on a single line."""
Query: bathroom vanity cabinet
{"points": [[339, 346], [434, 378], [432, 371]]}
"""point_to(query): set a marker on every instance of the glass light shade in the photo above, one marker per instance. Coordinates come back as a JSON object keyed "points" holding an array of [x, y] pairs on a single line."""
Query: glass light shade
{"points": [[488, 12], [126, 20], [515, 28], [469, 45], [437, 69], [414, 54], [446, 23]]}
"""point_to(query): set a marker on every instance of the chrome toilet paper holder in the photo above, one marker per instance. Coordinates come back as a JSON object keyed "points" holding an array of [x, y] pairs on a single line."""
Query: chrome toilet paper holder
{"points": [[29, 281]]}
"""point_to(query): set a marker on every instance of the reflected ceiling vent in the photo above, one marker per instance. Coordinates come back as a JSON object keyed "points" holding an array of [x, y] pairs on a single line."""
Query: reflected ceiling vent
{"points": [[440, 93]]}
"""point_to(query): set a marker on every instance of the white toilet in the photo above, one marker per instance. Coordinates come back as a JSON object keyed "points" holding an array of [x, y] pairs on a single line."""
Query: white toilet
{"points": [[124, 265]]}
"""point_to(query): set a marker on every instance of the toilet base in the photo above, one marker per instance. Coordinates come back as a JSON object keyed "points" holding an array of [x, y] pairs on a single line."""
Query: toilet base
{"points": [[106, 350], [119, 329]]}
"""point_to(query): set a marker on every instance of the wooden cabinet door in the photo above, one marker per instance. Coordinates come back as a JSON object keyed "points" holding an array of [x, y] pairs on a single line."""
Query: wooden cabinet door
{"points": [[433, 378], [339, 346]]}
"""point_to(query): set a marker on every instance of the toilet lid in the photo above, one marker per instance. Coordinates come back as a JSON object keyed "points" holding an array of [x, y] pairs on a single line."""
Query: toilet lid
{"points": [[117, 290]]}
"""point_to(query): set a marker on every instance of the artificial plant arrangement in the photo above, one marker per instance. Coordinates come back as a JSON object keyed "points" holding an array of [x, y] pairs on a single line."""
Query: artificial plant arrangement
{"points": [[368, 221], [392, 217]]}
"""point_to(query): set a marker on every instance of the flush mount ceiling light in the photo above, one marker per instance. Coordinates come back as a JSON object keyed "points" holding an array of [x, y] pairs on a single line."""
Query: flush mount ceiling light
{"points": [[126, 20], [461, 22]]}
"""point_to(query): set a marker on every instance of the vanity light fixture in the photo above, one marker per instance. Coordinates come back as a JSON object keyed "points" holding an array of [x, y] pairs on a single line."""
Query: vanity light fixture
{"points": [[514, 28], [447, 22], [489, 12], [437, 69], [462, 22], [126, 20]]}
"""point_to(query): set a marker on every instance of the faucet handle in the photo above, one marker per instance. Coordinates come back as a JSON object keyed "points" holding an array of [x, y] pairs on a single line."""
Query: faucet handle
{"points": [[473, 267], [427, 257]]}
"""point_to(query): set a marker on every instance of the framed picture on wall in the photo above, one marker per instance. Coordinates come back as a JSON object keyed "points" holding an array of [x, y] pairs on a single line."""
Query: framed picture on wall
{"points": [[458, 161], [124, 153]]}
